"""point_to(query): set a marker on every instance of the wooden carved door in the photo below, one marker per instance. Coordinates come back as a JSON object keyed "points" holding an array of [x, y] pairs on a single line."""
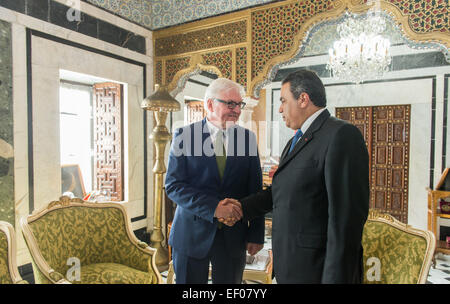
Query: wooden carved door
{"points": [[387, 140], [361, 117], [108, 165], [195, 110]]}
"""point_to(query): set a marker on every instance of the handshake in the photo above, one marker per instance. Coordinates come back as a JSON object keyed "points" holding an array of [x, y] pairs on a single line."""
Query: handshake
{"points": [[228, 211]]}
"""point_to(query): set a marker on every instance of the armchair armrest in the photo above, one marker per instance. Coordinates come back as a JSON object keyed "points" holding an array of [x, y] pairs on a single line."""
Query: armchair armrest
{"points": [[57, 278], [140, 255]]}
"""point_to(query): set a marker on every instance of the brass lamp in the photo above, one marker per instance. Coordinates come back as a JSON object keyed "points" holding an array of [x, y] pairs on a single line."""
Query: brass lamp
{"points": [[160, 102]]}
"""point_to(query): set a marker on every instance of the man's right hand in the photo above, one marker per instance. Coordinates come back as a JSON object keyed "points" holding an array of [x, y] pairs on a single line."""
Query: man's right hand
{"points": [[231, 205]]}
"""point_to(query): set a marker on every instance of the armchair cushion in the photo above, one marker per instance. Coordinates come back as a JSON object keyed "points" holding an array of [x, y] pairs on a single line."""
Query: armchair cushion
{"points": [[112, 273], [5, 276], [97, 235], [404, 252], [9, 273]]}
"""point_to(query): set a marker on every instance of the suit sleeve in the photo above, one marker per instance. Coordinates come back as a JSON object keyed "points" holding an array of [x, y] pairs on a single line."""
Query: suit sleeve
{"points": [[257, 204], [199, 202], [347, 184], [256, 225]]}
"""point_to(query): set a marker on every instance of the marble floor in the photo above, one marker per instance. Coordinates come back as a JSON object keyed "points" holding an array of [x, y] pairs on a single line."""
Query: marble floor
{"points": [[440, 274]]}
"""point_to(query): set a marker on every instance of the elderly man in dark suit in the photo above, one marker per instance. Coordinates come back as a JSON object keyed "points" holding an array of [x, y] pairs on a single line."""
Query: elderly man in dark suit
{"points": [[320, 192]]}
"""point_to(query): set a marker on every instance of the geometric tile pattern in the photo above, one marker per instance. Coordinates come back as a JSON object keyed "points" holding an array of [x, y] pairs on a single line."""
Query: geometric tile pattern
{"points": [[157, 14], [222, 60], [273, 29], [426, 16], [158, 72], [175, 65], [209, 38], [241, 66]]}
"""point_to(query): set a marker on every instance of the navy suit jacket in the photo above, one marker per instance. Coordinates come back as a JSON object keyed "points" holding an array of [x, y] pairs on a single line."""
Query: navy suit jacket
{"points": [[194, 184]]}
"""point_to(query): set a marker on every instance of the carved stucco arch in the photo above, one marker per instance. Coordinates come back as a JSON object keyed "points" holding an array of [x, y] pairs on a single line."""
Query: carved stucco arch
{"points": [[439, 40], [182, 76]]}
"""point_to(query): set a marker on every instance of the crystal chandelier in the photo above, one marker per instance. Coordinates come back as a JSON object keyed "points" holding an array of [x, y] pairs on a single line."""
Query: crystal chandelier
{"points": [[361, 53]]}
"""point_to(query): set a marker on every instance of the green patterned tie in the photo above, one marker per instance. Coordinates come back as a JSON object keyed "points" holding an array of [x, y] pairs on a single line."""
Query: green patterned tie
{"points": [[219, 150]]}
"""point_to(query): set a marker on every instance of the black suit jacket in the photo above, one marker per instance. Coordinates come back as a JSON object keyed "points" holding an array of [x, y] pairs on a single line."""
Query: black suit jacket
{"points": [[320, 201]]}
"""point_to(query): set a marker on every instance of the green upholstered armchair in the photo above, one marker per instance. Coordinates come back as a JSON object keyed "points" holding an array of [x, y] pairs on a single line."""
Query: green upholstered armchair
{"points": [[9, 273], [395, 253], [73, 241]]}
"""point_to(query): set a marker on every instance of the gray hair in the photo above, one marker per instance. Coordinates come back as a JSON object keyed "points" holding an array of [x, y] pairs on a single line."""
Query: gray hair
{"points": [[221, 85]]}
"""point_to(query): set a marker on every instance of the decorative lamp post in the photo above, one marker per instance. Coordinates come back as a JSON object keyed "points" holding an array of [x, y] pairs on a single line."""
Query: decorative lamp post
{"points": [[160, 102]]}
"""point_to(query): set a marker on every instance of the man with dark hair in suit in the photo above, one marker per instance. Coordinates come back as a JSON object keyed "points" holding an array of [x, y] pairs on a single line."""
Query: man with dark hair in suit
{"points": [[210, 160], [320, 191]]}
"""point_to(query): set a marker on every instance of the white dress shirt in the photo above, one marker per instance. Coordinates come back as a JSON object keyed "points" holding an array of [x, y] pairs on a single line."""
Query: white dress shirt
{"points": [[310, 120], [213, 130]]}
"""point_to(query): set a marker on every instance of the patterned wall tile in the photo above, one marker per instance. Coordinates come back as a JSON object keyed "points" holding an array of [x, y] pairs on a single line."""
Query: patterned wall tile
{"points": [[175, 65], [274, 29], [6, 126], [202, 39], [156, 14], [426, 15], [223, 60], [158, 72], [241, 66]]}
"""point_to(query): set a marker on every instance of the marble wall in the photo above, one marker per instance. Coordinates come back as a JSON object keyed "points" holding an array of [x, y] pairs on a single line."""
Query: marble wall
{"points": [[48, 58], [6, 126], [69, 14], [54, 48]]}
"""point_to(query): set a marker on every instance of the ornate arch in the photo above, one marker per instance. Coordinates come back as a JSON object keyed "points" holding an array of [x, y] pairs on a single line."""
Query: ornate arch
{"points": [[416, 31], [249, 46], [181, 77], [220, 45]]}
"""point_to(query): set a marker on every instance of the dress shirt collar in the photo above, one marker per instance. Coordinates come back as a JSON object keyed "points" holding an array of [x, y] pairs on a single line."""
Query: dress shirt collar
{"points": [[213, 131], [310, 120]]}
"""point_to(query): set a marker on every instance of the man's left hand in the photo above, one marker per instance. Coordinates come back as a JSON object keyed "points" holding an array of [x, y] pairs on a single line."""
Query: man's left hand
{"points": [[253, 248]]}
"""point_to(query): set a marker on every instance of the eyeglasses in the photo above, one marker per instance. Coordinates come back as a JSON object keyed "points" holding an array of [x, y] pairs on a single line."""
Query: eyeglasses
{"points": [[231, 104]]}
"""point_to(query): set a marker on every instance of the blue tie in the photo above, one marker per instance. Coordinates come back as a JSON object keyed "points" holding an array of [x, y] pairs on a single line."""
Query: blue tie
{"points": [[297, 135]]}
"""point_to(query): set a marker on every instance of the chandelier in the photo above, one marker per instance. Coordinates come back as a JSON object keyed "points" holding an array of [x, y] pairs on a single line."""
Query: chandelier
{"points": [[361, 53]]}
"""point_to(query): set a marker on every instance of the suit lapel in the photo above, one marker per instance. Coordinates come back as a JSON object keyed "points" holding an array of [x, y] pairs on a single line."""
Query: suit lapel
{"points": [[286, 149], [304, 140], [210, 160]]}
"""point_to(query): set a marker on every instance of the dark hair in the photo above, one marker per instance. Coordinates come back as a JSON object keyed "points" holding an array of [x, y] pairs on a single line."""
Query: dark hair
{"points": [[307, 81]]}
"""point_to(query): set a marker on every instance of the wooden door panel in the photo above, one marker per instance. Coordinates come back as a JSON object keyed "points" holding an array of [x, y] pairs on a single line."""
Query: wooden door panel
{"points": [[196, 111], [381, 177], [391, 146], [108, 165], [386, 132]]}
